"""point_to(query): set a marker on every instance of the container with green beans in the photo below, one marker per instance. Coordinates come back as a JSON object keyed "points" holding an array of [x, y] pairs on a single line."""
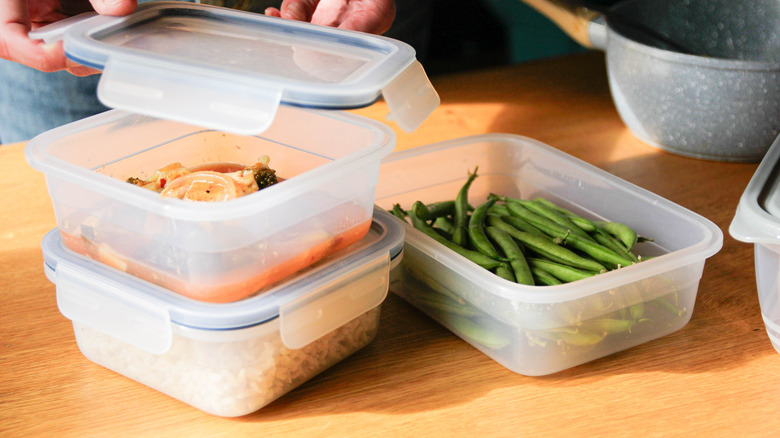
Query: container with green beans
{"points": [[561, 337], [564, 263]]}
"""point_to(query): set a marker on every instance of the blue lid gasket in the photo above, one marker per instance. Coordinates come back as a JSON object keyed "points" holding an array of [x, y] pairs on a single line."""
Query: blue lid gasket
{"points": [[89, 43], [386, 231]]}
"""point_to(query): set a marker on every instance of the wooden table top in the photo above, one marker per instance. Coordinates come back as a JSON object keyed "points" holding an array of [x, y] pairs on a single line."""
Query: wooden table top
{"points": [[717, 376]]}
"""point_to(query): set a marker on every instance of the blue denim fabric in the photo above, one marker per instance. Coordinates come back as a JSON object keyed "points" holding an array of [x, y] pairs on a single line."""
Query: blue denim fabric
{"points": [[32, 101]]}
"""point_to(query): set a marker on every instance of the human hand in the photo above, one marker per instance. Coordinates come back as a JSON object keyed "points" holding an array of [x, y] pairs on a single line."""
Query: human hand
{"points": [[18, 17], [371, 16]]}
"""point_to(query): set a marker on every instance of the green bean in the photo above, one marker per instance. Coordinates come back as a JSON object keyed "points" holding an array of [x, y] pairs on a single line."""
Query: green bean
{"points": [[439, 209], [586, 224], [666, 304], [418, 210], [546, 248], [460, 233], [553, 205], [475, 256], [602, 249], [421, 210], [522, 225], [517, 261], [542, 216], [435, 210], [555, 216], [637, 311], [499, 209], [398, 212], [432, 283], [445, 224], [476, 229], [443, 233], [535, 339], [604, 239], [622, 232], [626, 235], [609, 325], [597, 251], [470, 330], [544, 278], [641, 239], [596, 302], [562, 272], [443, 303], [564, 313], [544, 224], [505, 272], [633, 295], [581, 337]]}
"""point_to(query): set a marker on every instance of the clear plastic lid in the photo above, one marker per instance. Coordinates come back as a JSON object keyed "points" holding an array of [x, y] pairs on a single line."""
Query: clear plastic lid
{"points": [[757, 219], [314, 302], [230, 70]]}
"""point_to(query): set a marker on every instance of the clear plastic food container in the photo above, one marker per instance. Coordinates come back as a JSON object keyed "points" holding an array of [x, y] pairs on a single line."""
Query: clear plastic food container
{"points": [[198, 85], [538, 330], [227, 359], [212, 251], [757, 221]]}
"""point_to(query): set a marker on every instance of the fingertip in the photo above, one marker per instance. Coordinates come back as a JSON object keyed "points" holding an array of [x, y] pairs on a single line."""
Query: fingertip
{"points": [[51, 57], [114, 7], [272, 12], [295, 11]]}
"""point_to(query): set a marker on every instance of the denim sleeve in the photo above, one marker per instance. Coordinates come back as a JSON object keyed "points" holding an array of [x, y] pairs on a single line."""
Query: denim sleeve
{"points": [[32, 101]]}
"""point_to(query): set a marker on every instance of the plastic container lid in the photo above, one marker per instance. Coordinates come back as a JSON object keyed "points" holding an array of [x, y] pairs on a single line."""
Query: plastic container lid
{"points": [[757, 219], [311, 304], [230, 70]]}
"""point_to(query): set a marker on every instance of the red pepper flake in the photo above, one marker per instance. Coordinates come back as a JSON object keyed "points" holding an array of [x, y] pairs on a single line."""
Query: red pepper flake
{"points": [[162, 183]]}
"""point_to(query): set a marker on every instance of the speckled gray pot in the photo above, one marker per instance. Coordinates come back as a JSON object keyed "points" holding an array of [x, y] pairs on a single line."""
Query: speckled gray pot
{"points": [[723, 103]]}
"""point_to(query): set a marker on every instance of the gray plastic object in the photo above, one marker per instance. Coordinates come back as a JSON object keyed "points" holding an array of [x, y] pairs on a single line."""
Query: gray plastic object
{"points": [[757, 221]]}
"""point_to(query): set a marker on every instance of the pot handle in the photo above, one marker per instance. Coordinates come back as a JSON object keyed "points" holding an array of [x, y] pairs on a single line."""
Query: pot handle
{"points": [[586, 26]]}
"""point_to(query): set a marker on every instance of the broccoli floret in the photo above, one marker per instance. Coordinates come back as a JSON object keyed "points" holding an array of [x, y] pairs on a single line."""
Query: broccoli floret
{"points": [[265, 177]]}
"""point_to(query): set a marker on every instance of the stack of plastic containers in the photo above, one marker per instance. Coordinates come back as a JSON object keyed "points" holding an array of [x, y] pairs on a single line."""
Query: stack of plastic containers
{"points": [[225, 305]]}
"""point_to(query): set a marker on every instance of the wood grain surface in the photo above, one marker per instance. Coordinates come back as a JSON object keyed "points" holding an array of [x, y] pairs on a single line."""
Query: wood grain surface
{"points": [[717, 376]]}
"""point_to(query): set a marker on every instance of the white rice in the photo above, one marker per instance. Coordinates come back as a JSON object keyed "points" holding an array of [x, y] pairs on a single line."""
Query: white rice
{"points": [[228, 378]]}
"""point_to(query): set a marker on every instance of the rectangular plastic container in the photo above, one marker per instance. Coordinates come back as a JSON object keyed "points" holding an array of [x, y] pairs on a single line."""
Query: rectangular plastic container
{"points": [[538, 330], [227, 359], [757, 221], [220, 251]]}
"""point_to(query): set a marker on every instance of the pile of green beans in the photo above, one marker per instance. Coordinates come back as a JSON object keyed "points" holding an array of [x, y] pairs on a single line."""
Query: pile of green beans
{"points": [[615, 319], [527, 241], [536, 242]]}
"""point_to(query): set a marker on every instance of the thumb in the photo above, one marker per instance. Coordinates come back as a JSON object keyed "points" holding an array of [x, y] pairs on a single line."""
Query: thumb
{"points": [[301, 10], [114, 7]]}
